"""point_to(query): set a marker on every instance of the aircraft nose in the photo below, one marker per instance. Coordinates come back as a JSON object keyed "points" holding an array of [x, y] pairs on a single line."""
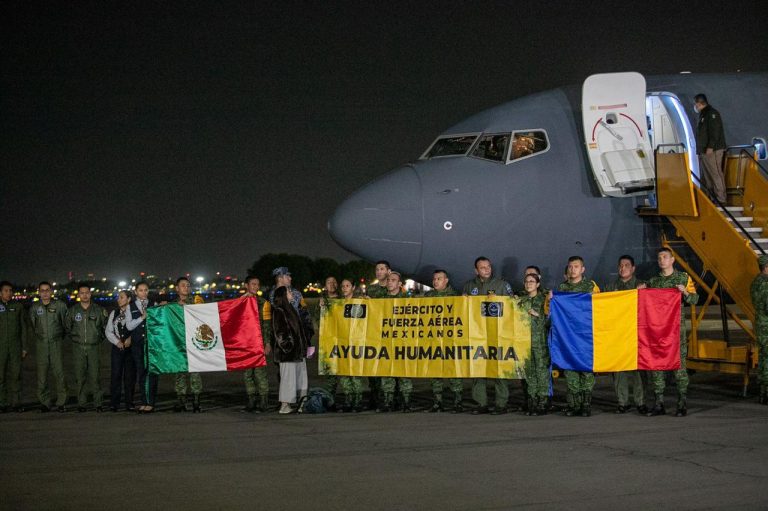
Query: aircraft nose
{"points": [[383, 220]]}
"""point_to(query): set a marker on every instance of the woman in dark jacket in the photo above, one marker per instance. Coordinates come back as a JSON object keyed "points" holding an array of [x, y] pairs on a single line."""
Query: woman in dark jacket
{"points": [[289, 348]]}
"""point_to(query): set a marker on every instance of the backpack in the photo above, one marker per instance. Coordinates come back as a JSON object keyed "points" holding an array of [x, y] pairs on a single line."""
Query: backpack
{"points": [[318, 400]]}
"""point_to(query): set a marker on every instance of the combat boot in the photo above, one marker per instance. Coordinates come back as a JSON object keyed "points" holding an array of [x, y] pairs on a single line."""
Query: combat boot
{"points": [[682, 409], [263, 404], [250, 407], [437, 404], [407, 404], [658, 408], [763, 399], [530, 407], [181, 405], [542, 407], [386, 405], [457, 406], [357, 403], [196, 408], [586, 408], [573, 405]]}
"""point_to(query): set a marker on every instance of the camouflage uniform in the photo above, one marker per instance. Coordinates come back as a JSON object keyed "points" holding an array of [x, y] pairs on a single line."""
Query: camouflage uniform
{"points": [[456, 385], [256, 378], [195, 380], [759, 293], [13, 338], [681, 375], [86, 331], [580, 383], [48, 329], [537, 371], [374, 383], [480, 287], [389, 384], [622, 379]]}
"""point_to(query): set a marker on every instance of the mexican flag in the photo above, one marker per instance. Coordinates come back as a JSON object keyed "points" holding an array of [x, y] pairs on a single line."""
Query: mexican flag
{"points": [[219, 336]]}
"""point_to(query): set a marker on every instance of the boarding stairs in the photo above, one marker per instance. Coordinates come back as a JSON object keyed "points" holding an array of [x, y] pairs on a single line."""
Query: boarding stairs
{"points": [[727, 238]]}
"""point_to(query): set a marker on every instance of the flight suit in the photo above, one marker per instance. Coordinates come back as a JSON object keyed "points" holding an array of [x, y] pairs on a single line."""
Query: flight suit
{"points": [[580, 383], [480, 287], [48, 330], [681, 375], [389, 384], [759, 293], [622, 379], [256, 379], [456, 385], [537, 368], [13, 339], [374, 383], [85, 328], [195, 380]]}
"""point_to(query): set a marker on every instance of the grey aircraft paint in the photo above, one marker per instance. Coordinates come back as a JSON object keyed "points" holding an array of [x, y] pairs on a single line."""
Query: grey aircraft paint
{"points": [[444, 212]]}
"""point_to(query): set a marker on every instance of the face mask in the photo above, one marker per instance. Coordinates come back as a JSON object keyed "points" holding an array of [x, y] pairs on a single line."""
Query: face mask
{"points": [[696, 108]]}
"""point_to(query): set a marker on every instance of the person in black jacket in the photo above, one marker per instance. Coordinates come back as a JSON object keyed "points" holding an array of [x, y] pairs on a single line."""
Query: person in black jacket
{"points": [[710, 146], [289, 341]]}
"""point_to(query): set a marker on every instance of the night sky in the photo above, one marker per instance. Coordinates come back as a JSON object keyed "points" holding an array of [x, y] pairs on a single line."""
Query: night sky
{"points": [[176, 137]]}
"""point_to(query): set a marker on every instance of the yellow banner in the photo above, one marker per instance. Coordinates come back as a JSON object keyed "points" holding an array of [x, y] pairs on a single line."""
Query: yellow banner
{"points": [[446, 337]]}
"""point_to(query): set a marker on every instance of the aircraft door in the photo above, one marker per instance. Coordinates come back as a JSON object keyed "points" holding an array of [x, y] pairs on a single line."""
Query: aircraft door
{"points": [[616, 132]]}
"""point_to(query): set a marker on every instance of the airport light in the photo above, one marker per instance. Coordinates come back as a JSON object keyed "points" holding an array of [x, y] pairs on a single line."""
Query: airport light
{"points": [[199, 280], [122, 283]]}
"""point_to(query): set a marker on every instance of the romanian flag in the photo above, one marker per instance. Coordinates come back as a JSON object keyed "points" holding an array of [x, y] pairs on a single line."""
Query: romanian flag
{"points": [[617, 331]]}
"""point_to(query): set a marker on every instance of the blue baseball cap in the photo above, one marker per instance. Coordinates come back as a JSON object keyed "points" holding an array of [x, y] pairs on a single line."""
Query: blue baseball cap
{"points": [[280, 270]]}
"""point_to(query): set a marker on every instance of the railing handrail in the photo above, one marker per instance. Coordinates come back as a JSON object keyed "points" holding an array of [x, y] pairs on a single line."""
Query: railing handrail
{"points": [[713, 198], [752, 157]]}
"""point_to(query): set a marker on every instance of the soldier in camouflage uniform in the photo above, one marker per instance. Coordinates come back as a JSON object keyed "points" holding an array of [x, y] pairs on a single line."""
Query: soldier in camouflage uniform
{"points": [[389, 384], [442, 287], [378, 290], [621, 380], [48, 316], [330, 292], [351, 386], [85, 324], [183, 288], [759, 293], [13, 348], [580, 383], [486, 284], [537, 372], [668, 277], [256, 378]]}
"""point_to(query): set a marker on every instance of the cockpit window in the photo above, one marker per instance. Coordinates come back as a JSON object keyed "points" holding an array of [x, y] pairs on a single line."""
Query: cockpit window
{"points": [[454, 145], [492, 147], [528, 143]]}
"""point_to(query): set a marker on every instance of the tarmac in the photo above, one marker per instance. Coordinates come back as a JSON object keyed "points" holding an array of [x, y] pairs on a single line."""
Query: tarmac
{"points": [[715, 458]]}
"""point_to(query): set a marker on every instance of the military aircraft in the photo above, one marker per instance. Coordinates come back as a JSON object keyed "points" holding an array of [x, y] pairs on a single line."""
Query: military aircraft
{"points": [[544, 177]]}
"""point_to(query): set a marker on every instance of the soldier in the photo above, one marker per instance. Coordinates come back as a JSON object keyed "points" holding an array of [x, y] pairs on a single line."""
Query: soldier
{"points": [[379, 290], [139, 350], [48, 319], [537, 373], [256, 380], [327, 296], [390, 384], [580, 383], [13, 348], [486, 284], [622, 379], [668, 277], [351, 386], [85, 325], [759, 293], [710, 146], [183, 288], [442, 287]]}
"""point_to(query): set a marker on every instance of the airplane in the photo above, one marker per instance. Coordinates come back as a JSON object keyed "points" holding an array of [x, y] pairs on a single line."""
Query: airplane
{"points": [[546, 176]]}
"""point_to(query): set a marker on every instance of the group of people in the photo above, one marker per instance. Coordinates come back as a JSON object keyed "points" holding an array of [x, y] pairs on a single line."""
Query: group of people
{"points": [[287, 330]]}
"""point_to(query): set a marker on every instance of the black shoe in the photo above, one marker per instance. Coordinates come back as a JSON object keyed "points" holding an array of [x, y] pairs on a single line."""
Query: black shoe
{"points": [[642, 410], [113, 409], [623, 409], [458, 408], [80, 409], [532, 412], [407, 408], [61, 409], [177, 408], [586, 411], [658, 409], [499, 410], [480, 410], [44, 409], [385, 408], [681, 411], [196, 408], [435, 408], [572, 412], [130, 408], [18, 409], [99, 409]]}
